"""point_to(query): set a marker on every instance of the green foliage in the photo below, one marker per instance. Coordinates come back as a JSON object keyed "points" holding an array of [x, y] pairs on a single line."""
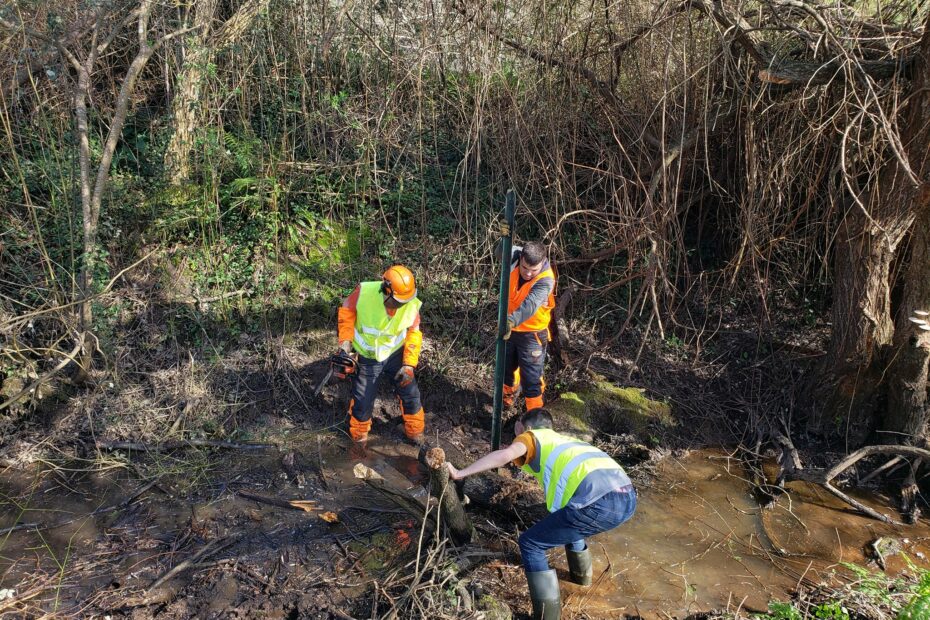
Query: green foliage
{"points": [[830, 611], [877, 587], [781, 611], [242, 151], [918, 608]]}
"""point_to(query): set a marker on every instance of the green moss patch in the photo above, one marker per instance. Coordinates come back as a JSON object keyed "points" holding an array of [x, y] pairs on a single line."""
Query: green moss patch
{"points": [[611, 408], [493, 608]]}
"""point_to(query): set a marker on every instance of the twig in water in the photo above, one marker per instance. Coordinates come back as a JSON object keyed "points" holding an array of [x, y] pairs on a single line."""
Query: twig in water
{"points": [[211, 548]]}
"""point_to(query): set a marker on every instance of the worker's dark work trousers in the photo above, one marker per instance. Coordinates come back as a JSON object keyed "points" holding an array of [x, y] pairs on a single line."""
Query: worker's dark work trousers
{"points": [[365, 386], [526, 351]]}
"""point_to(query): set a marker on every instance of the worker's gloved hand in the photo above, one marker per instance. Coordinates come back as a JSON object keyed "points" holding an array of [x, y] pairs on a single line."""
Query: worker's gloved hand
{"points": [[504, 229], [345, 346], [507, 330], [404, 376]]}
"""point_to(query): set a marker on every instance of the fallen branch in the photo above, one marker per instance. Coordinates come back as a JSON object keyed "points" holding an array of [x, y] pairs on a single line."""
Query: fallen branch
{"points": [[307, 505], [48, 375], [825, 478], [890, 466], [210, 549]]}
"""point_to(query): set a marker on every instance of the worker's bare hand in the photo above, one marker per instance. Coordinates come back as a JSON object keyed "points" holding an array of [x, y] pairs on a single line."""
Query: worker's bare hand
{"points": [[453, 472], [346, 346], [507, 330]]}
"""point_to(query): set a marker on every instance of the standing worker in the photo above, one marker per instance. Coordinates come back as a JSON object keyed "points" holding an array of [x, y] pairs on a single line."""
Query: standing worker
{"points": [[380, 320], [529, 310], [586, 491]]}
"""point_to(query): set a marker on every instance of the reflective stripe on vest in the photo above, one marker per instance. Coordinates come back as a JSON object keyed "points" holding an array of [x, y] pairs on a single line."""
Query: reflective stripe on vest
{"points": [[377, 334], [563, 464], [540, 320]]}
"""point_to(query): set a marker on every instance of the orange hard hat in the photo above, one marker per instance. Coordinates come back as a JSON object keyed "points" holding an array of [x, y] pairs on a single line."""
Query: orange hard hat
{"points": [[399, 284]]}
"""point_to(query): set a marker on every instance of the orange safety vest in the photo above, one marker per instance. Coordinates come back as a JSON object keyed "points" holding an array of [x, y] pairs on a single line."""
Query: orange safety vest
{"points": [[540, 320]]}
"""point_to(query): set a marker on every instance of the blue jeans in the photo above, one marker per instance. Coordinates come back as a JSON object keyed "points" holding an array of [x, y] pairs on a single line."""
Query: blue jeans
{"points": [[570, 526]]}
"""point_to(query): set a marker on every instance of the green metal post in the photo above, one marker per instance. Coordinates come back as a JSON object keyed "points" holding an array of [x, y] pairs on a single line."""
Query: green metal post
{"points": [[506, 247]]}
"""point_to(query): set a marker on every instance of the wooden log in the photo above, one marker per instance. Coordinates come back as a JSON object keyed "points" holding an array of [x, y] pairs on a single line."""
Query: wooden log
{"points": [[450, 506]]}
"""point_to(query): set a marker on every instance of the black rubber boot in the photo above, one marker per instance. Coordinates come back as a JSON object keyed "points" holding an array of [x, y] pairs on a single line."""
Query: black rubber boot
{"points": [[579, 566], [544, 593]]}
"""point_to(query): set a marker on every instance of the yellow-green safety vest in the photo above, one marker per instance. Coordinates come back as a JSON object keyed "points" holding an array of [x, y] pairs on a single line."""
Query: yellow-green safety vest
{"points": [[377, 334], [563, 462]]}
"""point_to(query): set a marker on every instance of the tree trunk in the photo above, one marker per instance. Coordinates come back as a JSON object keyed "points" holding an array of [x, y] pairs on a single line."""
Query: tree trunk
{"points": [[848, 383], [907, 386], [906, 417], [187, 108], [845, 389], [85, 314]]}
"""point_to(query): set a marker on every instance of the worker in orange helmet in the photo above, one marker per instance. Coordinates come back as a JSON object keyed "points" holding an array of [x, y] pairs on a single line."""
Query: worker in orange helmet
{"points": [[380, 321], [529, 309]]}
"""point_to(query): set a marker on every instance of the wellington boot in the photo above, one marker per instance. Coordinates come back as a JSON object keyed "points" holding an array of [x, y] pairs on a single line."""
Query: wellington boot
{"points": [[579, 566], [544, 593]]}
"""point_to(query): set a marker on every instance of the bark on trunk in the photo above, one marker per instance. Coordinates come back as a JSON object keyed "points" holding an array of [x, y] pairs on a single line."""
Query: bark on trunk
{"points": [[854, 369], [187, 107], [906, 417], [846, 388]]}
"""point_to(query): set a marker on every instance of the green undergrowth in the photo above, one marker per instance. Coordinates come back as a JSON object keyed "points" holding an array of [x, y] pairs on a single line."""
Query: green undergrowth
{"points": [[868, 595]]}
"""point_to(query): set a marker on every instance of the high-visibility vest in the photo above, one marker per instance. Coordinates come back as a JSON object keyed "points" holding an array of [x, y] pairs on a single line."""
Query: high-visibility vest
{"points": [[378, 334], [540, 320], [562, 463]]}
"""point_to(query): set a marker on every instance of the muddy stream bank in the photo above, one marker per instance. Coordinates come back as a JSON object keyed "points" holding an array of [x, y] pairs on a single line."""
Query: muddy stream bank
{"points": [[94, 543]]}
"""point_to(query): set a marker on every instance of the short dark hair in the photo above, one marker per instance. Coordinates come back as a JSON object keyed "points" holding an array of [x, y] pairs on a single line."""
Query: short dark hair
{"points": [[537, 418], [534, 253]]}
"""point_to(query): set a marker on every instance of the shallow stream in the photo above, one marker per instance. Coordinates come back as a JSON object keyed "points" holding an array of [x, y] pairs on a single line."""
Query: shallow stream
{"points": [[698, 541]]}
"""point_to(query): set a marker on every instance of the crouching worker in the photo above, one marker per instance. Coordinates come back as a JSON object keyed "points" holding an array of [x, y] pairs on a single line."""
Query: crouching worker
{"points": [[380, 321], [587, 492]]}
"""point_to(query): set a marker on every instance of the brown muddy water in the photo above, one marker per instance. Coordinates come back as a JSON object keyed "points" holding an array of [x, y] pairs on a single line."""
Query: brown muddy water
{"points": [[698, 541]]}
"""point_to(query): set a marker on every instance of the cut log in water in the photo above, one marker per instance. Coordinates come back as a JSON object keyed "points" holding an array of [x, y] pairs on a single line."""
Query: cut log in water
{"points": [[450, 506]]}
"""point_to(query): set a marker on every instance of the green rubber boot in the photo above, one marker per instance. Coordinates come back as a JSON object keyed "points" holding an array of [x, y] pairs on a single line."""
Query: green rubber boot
{"points": [[579, 566], [544, 593]]}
